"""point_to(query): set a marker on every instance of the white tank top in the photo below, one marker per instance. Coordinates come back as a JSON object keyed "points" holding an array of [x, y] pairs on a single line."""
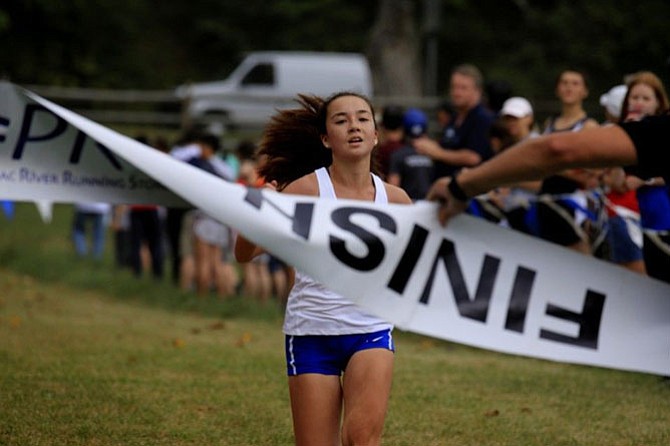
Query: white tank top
{"points": [[312, 309]]}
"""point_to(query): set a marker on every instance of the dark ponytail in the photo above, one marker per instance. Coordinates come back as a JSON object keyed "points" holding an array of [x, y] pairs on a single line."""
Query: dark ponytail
{"points": [[291, 143]]}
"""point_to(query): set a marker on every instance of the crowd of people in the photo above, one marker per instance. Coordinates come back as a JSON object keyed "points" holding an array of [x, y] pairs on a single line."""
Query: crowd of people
{"points": [[196, 249], [606, 212], [610, 213]]}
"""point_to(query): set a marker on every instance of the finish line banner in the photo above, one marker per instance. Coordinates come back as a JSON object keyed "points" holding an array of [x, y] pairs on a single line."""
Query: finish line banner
{"points": [[473, 282]]}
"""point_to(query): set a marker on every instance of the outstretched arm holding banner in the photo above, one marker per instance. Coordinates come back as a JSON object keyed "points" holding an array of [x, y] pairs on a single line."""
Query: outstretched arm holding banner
{"points": [[631, 144]]}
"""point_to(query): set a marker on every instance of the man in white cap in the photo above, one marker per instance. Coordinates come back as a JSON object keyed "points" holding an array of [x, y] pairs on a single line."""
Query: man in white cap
{"points": [[515, 200], [517, 114]]}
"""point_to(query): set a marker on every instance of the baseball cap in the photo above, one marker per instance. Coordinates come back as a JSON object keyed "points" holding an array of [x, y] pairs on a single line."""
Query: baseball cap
{"points": [[415, 122], [613, 100], [516, 106]]}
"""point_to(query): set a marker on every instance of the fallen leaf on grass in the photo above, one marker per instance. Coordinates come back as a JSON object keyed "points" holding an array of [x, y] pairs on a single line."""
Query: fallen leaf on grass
{"points": [[243, 340], [178, 343], [427, 344], [217, 326], [15, 321], [39, 296]]}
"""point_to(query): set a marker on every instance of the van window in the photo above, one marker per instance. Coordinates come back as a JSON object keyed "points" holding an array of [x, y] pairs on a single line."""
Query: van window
{"points": [[261, 74]]}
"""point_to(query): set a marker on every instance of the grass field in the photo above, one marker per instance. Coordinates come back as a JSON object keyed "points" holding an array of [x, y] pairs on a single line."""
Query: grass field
{"points": [[92, 356]]}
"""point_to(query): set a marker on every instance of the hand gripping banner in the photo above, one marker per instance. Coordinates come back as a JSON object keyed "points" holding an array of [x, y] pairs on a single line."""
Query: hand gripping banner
{"points": [[473, 282]]}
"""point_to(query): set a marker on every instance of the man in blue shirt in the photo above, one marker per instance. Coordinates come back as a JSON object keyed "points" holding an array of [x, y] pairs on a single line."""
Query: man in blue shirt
{"points": [[467, 135]]}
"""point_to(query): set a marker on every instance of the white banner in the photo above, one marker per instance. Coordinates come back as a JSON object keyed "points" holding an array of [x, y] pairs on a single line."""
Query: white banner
{"points": [[77, 168], [473, 283]]}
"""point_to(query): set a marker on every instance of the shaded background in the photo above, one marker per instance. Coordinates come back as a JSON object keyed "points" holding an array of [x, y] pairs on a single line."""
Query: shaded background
{"points": [[412, 45]]}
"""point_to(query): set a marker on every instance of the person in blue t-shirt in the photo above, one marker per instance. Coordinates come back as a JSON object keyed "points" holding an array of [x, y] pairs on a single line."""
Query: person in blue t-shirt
{"points": [[467, 135]]}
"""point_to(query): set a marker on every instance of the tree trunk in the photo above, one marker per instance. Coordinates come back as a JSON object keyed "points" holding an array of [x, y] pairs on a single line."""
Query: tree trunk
{"points": [[394, 51]]}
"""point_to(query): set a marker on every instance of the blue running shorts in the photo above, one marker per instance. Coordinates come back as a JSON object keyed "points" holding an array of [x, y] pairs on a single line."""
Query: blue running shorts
{"points": [[330, 354]]}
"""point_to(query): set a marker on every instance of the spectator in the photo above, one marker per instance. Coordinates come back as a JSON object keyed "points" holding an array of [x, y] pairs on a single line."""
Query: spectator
{"points": [[95, 215], [121, 227], [184, 148], [646, 96], [624, 232], [499, 136], [517, 202], [256, 277], [146, 230], [179, 224], [391, 137], [409, 169], [265, 274], [211, 239], [465, 141], [563, 211], [518, 116], [444, 115], [146, 234]]}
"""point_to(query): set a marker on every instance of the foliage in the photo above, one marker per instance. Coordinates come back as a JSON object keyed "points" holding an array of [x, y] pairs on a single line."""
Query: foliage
{"points": [[529, 42], [141, 44], [138, 44]]}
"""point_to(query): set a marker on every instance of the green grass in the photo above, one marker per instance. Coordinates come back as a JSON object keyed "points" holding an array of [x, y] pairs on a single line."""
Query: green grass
{"points": [[90, 355]]}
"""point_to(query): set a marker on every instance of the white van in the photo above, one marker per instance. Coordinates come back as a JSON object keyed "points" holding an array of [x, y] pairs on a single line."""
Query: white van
{"points": [[267, 81]]}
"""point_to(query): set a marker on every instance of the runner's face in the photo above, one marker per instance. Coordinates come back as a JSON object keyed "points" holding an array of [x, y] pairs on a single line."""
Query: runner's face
{"points": [[350, 127]]}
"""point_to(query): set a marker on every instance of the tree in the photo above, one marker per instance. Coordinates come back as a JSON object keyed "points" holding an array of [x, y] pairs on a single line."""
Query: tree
{"points": [[143, 44], [393, 50]]}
